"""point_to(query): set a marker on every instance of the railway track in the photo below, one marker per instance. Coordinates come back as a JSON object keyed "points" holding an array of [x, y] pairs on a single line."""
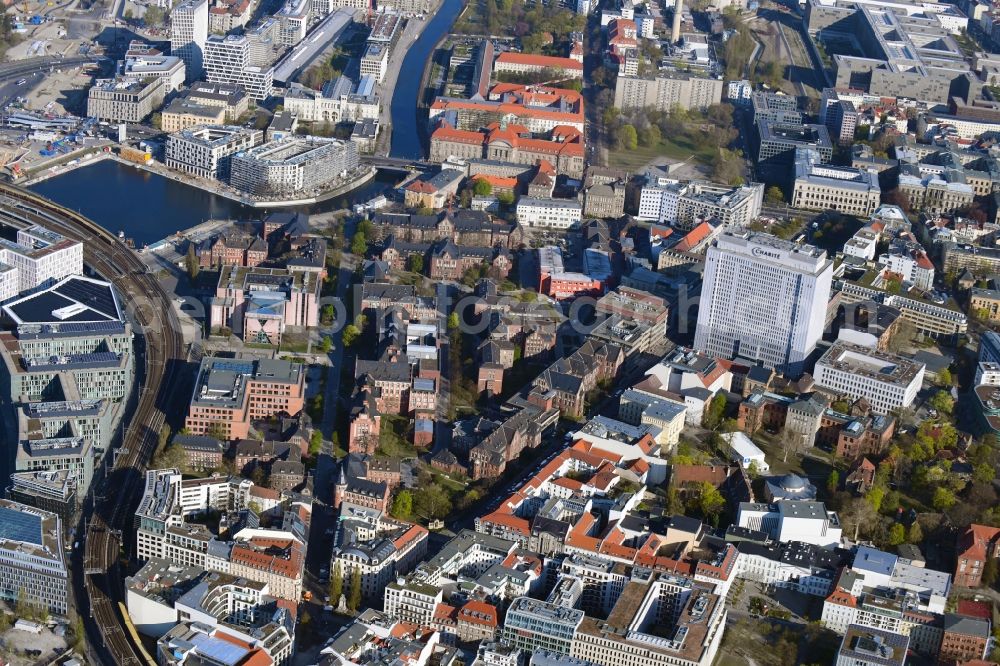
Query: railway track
{"points": [[159, 347]]}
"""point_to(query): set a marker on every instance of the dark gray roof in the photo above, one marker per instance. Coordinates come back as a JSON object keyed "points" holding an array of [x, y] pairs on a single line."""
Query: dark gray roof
{"points": [[199, 443], [967, 626]]}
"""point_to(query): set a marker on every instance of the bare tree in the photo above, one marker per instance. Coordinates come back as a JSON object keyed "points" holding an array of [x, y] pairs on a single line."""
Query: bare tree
{"points": [[791, 442]]}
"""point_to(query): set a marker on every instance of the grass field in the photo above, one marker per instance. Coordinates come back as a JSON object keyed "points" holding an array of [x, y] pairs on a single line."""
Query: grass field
{"points": [[676, 149]]}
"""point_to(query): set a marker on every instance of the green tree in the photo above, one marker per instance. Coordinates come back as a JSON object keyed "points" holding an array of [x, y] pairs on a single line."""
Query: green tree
{"points": [[325, 344], [983, 473], [315, 443], [402, 505], [453, 321], [628, 137], [942, 402], [650, 136], [915, 535], [79, 637], [774, 195], [416, 263], [354, 594], [336, 586], [171, 456], [943, 499], [350, 335], [156, 120], [833, 482], [711, 502], [944, 378], [712, 418], [875, 497], [432, 501], [359, 244], [506, 198], [482, 187], [897, 534], [192, 263]]}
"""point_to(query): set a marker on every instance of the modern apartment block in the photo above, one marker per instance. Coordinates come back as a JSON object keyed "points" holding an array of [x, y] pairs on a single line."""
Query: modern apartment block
{"points": [[235, 59], [776, 144], [550, 213], [764, 299], [206, 150], [169, 68], [888, 382], [188, 34], [71, 342], [67, 366], [32, 558], [692, 617], [867, 646], [125, 99], [38, 257], [681, 204], [668, 90], [339, 101], [375, 60], [292, 166], [533, 625], [229, 393], [775, 107]]}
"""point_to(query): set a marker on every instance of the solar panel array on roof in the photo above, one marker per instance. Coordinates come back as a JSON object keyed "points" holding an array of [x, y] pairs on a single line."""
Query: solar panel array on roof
{"points": [[97, 296], [69, 328], [219, 650], [91, 360], [239, 367], [75, 299], [20, 526]]}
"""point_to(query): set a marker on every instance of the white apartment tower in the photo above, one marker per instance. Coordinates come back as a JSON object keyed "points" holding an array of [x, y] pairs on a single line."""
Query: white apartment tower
{"points": [[233, 59], [188, 34], [763, 299]]}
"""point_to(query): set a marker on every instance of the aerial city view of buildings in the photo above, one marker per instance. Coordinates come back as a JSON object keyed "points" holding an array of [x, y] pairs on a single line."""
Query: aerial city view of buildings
{"points": [[500, 333]]}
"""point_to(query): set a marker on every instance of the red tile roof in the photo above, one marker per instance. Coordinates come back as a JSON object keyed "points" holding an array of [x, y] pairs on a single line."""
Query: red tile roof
{"points": [[546, 62], [694, 237], [478, 612]]}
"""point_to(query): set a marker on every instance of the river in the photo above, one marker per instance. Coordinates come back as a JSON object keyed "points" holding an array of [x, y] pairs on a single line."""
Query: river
{"points": [[148, 207], [406, 128]]}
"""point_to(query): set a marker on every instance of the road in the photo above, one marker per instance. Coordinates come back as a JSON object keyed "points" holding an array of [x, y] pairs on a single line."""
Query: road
{"points": [[110, 506], [31, 71]]}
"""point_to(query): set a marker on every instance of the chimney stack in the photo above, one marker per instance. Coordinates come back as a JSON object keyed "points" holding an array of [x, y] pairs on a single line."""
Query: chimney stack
{"points": [[675, 32]]}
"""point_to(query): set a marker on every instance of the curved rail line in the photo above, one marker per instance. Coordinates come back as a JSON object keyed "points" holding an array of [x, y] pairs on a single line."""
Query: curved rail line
{"points": [[159, 346]]}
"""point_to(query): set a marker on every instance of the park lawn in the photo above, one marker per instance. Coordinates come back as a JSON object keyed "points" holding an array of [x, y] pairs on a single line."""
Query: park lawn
{"points": [[678, 149], [449, 482]]}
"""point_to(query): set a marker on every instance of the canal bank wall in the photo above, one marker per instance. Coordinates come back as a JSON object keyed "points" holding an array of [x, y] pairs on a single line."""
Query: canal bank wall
{"points": [[363, 178]]}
